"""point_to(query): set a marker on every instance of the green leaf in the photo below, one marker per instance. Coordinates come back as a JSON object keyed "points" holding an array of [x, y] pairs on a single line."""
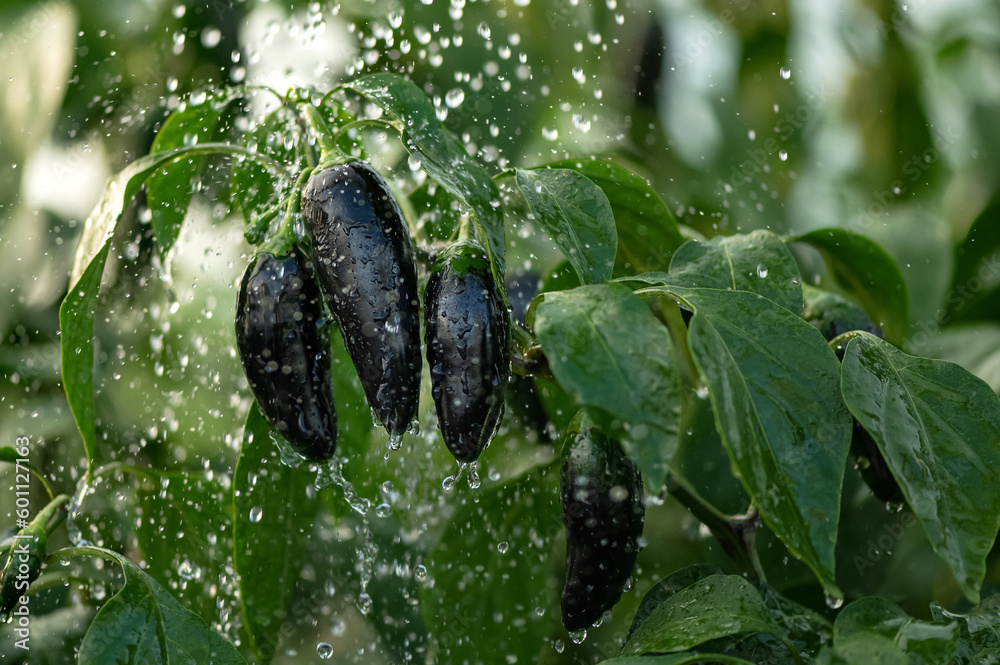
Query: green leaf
{"points": [[774, 386], [863, 267], [758, 262], [76, 330], [76, 314], [273, 519], [179, 513], [660, 592], [495, 559], [143, 623], [576, 215], [170, 187], [713, 607], [979, 631], [648, 234], [441, 155], [678, 659], [937, 426], [615, 358], [875, 631]]}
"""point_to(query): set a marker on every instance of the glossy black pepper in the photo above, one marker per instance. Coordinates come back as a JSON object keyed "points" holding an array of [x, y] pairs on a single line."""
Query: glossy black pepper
{"points": [[364, 261], [286, 353], [603, 510], [468, 349]]}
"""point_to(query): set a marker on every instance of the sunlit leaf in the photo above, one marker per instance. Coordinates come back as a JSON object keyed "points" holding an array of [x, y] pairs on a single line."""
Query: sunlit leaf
{"points": [[76, 314], [758, 262], [170, 186]]}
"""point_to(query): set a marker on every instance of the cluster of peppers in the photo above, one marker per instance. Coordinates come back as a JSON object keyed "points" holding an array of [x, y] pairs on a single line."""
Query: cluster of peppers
{"points": [[362, 270]]}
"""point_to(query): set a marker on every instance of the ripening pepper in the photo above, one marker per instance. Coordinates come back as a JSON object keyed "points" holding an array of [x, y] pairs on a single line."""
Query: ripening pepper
{"points": [[603, 508], [365, 265], [286, 353], [468, 348]]}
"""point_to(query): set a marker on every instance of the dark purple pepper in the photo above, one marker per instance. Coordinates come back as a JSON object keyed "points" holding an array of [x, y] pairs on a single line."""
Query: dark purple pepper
{"points": [[286, 353], [365, 266], [603, 508], [468, 349]]}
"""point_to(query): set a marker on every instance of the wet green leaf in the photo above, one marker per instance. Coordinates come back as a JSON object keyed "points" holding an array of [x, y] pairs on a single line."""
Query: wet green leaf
{"points": [[491, 569], [774, 386], [979, 631], [875, 631], [863, 267], [713, 607], [937, 426], [616, 359], [273, 519], [648, 234], [667, 587], [757, 262], [575, 213], [143, 623]]}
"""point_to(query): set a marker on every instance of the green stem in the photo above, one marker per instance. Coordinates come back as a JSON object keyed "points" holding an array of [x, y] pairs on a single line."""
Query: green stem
{"points": [[329, 152], [736, 534], [523, 340], [280, 244], [532, 362], [37, 474], [48, 512], [423, 256]]}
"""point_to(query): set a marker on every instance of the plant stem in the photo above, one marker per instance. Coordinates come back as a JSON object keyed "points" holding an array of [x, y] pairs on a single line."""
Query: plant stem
{"points": [[280, 244], [737, 534], [329, 152]]}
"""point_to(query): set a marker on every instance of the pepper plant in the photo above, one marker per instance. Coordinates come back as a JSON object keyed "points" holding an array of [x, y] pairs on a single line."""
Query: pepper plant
{"points": [[691, 359]]}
